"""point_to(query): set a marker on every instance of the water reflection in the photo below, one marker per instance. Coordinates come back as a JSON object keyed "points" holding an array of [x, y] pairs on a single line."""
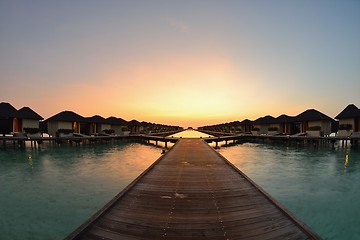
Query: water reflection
{"points": [[190, 133], [69, 183], [30, 162], [310, 182]]}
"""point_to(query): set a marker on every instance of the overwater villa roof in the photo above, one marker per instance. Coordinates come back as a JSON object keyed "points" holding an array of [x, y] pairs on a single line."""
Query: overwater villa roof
{"points": [[7, 110], [122, 121], [116, 121], [134, 122], [246, 121], [145, 124], [350, 111], [112, 120], [235, 123], [28, 113], [284, 119], [67, 116], [265, 120], [96, 119], [311, 115]]}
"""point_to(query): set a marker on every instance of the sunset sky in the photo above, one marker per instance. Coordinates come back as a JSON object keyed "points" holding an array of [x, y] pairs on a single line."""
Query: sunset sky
{"points": [[187, 63]]}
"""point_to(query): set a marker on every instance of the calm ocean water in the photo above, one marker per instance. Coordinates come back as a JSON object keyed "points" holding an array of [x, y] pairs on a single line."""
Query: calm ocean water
{"points": [[317, 185], [47, 194]]}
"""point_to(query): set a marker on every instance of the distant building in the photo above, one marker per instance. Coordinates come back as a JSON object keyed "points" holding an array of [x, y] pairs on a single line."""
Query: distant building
{"points": [[118, 125], [246, 126], [283, 124], [8, 124], [18, 121], [349, 120], [134, 126], [262, 125], [96, 124], [28, 119], [313, 122], [67, 122]]}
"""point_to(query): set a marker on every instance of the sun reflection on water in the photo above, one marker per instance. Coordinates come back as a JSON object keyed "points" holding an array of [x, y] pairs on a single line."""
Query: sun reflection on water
{"points": [[190, 133], [346, 161]]}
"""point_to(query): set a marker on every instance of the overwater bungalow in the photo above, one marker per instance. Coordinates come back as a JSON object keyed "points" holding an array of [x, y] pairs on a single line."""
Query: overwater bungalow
{"points": [[146, 127], [349, 120], [234, 127], [28, 121], [262, 125], [134, 127], [13, 121], [96, 124], [168, 128], [118, 125], [246, 126], [65, 123], [313, 123], [8, 113], [283, 124]]}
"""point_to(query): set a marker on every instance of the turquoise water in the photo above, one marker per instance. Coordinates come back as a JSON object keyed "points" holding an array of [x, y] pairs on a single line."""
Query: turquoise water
{"points": [[47, 194], [315, 184]]}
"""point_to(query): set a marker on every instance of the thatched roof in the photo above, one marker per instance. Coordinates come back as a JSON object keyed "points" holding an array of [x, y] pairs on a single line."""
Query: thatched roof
{"points": [[134, 123], [67, 116], [28, 113], [284, 119], [350, 111], [265, 120], [234, 123], [116, 121], [7, 110], [246, 121], [96, 119], [311, 115]]}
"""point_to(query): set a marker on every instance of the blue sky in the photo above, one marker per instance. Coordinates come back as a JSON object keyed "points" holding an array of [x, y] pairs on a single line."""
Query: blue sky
{"points": [[188, 63]]}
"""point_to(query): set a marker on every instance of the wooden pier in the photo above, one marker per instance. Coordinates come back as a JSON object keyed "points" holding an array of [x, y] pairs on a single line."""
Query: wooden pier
{"points": [[298, 139], [77, 139], [192, 192]]}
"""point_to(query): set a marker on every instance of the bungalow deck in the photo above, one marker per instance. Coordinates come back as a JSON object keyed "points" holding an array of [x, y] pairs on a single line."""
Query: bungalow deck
{"points": [[192, 192]]}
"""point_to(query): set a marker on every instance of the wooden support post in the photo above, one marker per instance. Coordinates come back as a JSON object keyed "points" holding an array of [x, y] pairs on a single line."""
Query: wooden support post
{"points": [[333, 144], [4, 141], [166, 144]]}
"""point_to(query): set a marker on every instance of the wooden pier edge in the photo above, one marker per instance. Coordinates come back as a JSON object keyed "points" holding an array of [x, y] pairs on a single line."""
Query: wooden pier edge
{"points": [[282, 208], [88, 223]]}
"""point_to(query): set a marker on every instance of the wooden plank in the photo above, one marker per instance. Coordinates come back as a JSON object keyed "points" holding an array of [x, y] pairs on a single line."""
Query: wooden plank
{"points": [[192, 192]]}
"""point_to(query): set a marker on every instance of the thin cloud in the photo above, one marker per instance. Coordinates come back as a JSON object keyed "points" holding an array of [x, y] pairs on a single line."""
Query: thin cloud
{"points": [[180, 25]]}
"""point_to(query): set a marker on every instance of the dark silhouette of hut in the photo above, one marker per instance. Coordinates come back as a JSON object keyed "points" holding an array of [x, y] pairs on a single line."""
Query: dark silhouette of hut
{"points": [[7, 118], [349, 120], [66, 121], [313, 120]]}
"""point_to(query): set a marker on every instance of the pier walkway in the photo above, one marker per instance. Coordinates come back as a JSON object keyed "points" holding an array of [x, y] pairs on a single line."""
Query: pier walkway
{"points": [[192, 192]]}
